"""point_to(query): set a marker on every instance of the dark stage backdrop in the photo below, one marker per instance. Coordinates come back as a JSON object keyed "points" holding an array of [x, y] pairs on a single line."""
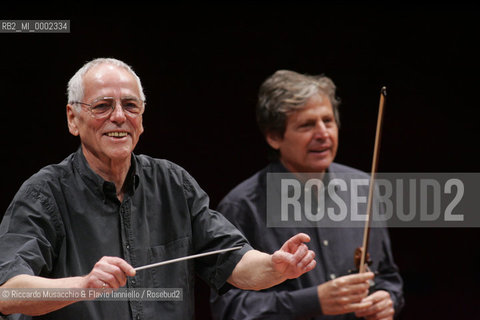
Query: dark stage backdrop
{"points": [[201, 66]]}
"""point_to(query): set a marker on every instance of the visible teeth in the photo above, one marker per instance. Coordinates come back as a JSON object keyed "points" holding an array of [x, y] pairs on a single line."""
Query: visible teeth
{"points": [[117, 134]]}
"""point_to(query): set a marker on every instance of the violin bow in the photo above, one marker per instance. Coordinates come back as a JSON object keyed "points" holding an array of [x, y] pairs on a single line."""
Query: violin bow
{"points": [[376, 148]]}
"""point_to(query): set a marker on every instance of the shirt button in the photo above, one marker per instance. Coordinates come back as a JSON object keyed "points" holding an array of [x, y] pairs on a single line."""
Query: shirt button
{"points": [[127, 246], [133, 281], [332, 276], [325, 243], [138, 317]]}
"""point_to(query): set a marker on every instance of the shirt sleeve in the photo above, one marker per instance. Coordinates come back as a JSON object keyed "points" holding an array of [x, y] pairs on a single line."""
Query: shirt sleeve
{"points": [[388, 277], [273, 304], [28, 233], [212, 231], [277, 302]]}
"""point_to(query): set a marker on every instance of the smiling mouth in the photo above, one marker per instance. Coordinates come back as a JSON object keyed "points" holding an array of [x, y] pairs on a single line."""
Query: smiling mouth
{"points": [[117, 134], [319, 151]]}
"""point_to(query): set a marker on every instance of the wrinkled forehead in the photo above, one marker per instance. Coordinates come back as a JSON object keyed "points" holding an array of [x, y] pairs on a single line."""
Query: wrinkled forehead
{"points": [[109, 80]]}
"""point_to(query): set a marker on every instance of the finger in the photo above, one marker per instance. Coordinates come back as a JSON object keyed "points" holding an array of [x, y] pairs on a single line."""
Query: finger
{"points": [[384, 315], [102, 284], [280, 257], [300, 254], [353, 307], [293, 258], [358, 289], [356, 296], [378, 296], [381, 307], [107, 278], [356, 278], [122, 264], [310, 266], [114, 276], [307, 258], [350, 299], [350, 284], [112, 270], [292, 243]]}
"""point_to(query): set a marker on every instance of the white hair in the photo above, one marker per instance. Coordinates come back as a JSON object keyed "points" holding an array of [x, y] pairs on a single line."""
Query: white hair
{"points": [[75, 85]]}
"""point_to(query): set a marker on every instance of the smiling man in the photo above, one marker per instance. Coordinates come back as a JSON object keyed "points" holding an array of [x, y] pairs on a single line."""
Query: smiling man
{"points": [[298, 115], [89, 220], [107, 145]]}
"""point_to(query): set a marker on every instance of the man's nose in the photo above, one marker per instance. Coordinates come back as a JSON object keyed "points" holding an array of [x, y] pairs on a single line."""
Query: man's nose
{"points": [[321, 131], [118, 114]]}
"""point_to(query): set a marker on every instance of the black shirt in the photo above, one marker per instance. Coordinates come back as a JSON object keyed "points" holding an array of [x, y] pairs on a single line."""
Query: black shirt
{"points": [[66, 217], [246, 207]]}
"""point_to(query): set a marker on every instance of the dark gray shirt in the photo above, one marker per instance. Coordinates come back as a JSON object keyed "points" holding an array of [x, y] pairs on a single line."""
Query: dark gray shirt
{"points": [[65, 218], [245, 207]]}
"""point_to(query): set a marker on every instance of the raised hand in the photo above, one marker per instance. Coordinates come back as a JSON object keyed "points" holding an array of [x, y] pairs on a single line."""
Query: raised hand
{"points": [[294, 259]]}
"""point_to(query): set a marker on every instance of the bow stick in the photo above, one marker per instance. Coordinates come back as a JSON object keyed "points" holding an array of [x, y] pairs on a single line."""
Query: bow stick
{"points": [[366, 233]]}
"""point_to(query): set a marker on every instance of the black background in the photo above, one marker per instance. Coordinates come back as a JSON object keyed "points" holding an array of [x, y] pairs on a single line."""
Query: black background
{"points": [[201, 66]]}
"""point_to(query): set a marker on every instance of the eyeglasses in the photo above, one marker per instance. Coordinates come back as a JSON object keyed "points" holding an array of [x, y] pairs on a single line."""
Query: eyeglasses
{"points": [[103, 107]]}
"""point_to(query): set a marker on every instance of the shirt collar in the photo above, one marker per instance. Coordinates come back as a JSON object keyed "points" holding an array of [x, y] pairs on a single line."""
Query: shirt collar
{"points": [[133, 178], [277, 166], [96, 182]]}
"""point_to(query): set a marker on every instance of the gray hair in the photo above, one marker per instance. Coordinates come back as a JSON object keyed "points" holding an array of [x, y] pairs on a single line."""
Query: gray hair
{"points": [[287, 91], [75, 90]]}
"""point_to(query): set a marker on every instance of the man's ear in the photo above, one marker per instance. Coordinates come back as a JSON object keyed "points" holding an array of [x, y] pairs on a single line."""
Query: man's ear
{"points": [[72, 120], [274, 139]]}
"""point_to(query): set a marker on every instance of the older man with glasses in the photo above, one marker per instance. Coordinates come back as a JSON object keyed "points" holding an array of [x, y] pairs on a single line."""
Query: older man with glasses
{"points": [[85, 222]]}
